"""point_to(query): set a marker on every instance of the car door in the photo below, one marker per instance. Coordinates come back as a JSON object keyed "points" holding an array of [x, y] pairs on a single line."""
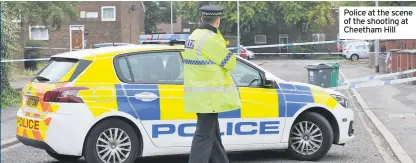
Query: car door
{"points": [[262, 112], [155, 92]]}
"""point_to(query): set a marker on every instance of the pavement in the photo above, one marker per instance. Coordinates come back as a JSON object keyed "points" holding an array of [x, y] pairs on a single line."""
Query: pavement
{"points": [[368, 145], [393, 105]]}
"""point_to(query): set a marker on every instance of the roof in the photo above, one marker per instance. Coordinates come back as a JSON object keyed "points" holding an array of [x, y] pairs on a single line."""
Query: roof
{"points": [[112, 51]]}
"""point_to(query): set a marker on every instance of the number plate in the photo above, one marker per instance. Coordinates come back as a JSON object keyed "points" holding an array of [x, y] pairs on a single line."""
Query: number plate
{"points": [[32, 101]]}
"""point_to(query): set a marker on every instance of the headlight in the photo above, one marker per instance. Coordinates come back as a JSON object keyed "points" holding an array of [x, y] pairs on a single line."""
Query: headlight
{"points": [[341, 100]]}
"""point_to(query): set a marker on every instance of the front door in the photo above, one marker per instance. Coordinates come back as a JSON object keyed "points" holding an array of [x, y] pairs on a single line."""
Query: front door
{"points": [[283, 39], [76, 39], [156, 94]]}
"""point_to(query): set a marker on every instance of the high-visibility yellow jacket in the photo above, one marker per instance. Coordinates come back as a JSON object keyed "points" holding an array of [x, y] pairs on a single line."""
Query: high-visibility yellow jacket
{"points": [[208, 85]]}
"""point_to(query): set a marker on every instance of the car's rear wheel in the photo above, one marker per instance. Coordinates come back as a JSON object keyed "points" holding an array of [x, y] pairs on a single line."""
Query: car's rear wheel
{"points": [[64, 158], [310, 137], [355, 57], [112, 141]]}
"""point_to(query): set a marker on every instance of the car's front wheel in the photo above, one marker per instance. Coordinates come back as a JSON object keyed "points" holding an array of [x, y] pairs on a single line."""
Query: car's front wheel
{"points": [[310, 137], [111, 141]]}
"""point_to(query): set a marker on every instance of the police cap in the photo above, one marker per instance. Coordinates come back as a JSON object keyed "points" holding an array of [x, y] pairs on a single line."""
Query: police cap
{"points": [[212, 10]]}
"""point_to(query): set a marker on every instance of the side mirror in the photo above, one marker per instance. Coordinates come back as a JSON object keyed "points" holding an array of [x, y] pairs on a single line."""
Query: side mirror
{"points": [[268, 83], [269, 80]]}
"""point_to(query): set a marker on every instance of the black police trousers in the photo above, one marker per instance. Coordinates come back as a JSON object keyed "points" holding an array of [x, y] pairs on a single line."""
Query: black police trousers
{"points": [[207, 145]]}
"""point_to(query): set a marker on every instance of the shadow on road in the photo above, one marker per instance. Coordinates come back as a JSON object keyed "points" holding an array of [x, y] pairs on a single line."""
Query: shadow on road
{"points": [[246, 157]]}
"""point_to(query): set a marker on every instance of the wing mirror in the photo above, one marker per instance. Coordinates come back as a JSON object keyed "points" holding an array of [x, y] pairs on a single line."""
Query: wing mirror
{"points": [[269, 81]]}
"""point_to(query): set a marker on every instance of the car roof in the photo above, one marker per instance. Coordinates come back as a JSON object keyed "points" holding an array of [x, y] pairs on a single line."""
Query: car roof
{"points": [[111, 51]]}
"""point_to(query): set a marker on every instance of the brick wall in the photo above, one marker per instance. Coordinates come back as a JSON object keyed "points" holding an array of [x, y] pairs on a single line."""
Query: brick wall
{"points": [[103, 31], [132, 22]]}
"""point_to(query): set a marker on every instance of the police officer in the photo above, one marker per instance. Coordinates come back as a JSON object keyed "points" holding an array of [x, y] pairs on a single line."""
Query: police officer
{"points": [[209, 87]]}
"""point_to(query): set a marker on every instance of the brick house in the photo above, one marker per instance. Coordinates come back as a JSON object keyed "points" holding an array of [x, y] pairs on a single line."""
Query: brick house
{"points": [[98, 22]]}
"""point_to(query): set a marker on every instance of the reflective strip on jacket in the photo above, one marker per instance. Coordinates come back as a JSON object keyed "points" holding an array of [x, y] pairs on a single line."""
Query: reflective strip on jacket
{"points": [[209, 87]]}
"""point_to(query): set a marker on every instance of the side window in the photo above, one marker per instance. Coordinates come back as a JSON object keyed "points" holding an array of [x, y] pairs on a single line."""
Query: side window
{"points": [[246, 76], [155, 68], [122, 69]]}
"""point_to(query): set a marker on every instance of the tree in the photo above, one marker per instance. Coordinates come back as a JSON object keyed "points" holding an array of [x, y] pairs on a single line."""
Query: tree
{"points": [[51, 14], [256, 16], [157, 12], [380, 3]]}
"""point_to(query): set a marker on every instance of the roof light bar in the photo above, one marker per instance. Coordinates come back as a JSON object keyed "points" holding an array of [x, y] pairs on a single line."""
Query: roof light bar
{"points": [[163, 38]]}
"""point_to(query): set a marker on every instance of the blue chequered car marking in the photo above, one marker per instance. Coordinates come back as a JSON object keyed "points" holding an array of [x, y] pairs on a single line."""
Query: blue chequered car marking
{"points": [[123, 103], [149, 110]]}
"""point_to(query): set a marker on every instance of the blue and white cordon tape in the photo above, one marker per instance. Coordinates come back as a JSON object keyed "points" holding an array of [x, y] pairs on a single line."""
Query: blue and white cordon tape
{"points": [[294, 44], [375, 83], [24, 60], [374, 77], [247, 47]]}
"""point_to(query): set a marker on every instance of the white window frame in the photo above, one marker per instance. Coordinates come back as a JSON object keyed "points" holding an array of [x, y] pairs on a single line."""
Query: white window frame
{"points": [[76, 27], [108, 19], [38, 26], [258, 42], [319, 36]]}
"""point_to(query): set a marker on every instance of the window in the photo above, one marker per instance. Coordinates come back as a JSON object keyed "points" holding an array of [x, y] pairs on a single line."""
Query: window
{"points": [[82, 14], [151, 68], [318, 37], [260, 39], [56, 69], [38, 33], [108, 13], [91, 14], [246, 76]]}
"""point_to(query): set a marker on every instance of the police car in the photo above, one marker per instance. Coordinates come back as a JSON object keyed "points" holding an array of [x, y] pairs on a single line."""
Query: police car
{"points": [[114, 104]]}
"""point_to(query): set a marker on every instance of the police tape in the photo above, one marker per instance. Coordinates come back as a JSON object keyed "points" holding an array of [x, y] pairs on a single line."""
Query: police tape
{"points": [[24, 60], [294, 44], [375, 77], [294, 53], [374, 83], [315, 53], [230, 48]]}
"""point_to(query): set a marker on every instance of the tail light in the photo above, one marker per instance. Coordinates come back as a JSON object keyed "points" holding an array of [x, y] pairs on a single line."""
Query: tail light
{"points": [[64, 95]]}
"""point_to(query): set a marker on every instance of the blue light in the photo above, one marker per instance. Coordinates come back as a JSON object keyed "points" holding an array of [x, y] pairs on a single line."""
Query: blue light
{"points": [[164, 37]]}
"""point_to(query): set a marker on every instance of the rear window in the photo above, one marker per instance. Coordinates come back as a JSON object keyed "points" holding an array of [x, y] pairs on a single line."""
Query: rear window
{"points": [[57, 68]]}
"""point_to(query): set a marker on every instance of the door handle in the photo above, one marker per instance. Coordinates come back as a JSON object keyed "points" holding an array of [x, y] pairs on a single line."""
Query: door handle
{"points": [[146, 96]]}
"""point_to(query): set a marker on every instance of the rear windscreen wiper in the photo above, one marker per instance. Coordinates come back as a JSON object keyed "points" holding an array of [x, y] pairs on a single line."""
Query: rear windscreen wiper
{"points": [[40, 78]]}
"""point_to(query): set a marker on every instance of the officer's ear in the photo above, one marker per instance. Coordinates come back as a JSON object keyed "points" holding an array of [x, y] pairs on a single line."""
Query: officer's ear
{"points": [[218, 22]]}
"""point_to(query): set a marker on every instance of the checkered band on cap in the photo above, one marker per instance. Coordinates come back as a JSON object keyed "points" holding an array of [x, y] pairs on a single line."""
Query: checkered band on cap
{"points": [[211, 13]]}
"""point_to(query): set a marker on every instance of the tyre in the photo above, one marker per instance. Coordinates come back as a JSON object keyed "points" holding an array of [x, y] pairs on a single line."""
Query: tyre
{"points": [[100, 147], [354, 57], [310, 137], [63, 158]]}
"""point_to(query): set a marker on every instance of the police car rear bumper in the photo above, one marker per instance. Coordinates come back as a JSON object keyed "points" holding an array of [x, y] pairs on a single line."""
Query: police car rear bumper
{"points": [[66, 131], [35, 143]]}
